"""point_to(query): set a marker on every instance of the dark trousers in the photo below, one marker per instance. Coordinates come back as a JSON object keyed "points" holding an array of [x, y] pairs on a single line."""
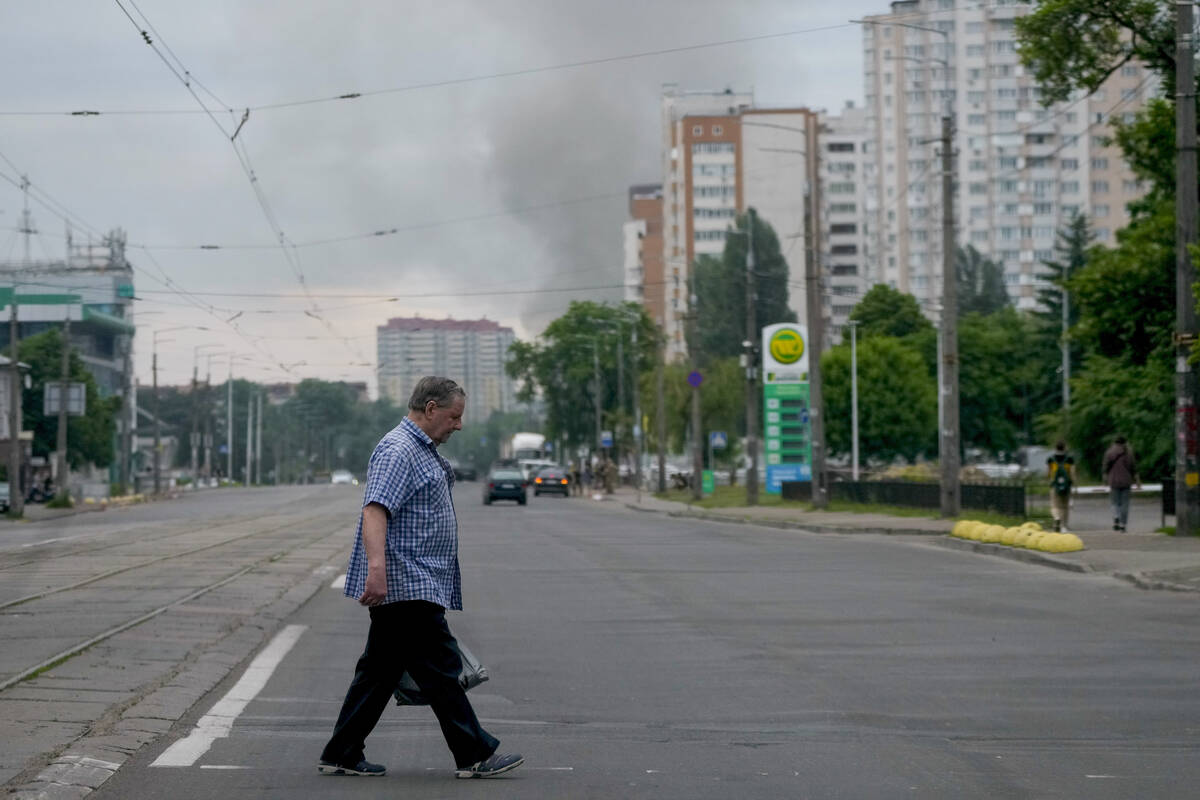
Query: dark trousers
{"points": [[412, 636]]}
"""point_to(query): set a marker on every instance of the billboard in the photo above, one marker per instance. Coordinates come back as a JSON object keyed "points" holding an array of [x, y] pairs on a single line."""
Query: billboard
{"points": [[787, 427]]}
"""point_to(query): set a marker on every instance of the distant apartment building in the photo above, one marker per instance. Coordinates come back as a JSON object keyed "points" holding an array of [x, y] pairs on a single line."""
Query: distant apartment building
{"points": [[644, 250], [1022, 170], [721, 156], [471, 352], [847, 258]]}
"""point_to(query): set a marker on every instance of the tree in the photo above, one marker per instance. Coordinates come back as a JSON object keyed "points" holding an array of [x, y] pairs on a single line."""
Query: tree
{"points": [[89, 437], [884, 311], [980, 283], [897, 400], [720, 285], [561, 368]]}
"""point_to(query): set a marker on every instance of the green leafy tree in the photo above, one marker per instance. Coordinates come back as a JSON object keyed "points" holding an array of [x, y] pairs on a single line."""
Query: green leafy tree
{"points": [[980, 283], [720, 285], [90, 437], [561, 368], [884, 311], [897, 400]]}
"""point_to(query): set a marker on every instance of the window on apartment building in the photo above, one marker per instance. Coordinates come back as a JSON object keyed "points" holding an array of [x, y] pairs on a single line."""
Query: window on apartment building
{"points": [[977, 188], [1037, 162], [976, 96], [1000, 46], [1009, 210], [717, 130], [918, 212], [1103, 234], [914, 50], [845, 291], [979, 236], [1006, 94], [843, 227], [1071, 117], [1069, 163], [843, 208], [841, 188], [1099, 163], [977, 165], [914, 97], [1010, 255], [1043, 188], [974, 51], [844, 249], [712, 148], [714, 213], [1007, 234], [976, 119], [1070, 187], [845, 269], [1099, 211], [974, 74], [697, 130], [1007, 186], [978, 212], [1069, 211], [1001, 70], [1128, 117], [1043, 231], [1131, 187], [1100, 94], [1011, 278], [841, 166], [1099, 187], [710, 236], [1043, 209], [840, 147], [1005, 118], [972, 27], [1006, 162], [918, 235]]}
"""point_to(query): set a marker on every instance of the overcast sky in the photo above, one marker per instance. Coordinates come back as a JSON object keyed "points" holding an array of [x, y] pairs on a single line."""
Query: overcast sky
{"points": [[503, 187]]}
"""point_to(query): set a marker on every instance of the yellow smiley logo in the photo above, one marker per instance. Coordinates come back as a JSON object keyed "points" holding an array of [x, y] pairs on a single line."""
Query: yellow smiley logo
{"points": [[787, 346]]}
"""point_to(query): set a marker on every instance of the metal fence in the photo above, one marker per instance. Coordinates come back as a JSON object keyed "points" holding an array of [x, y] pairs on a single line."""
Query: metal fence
{"points": [[1003, 498]]}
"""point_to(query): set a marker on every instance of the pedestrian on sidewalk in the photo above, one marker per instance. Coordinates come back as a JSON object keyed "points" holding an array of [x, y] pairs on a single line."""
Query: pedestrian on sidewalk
{"points": [[1060, 471], [404, 569], [1120, 473]]}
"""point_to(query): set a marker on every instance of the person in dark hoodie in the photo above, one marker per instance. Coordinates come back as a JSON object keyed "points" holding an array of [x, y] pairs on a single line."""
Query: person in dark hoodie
{"points": [[1120, 473]]}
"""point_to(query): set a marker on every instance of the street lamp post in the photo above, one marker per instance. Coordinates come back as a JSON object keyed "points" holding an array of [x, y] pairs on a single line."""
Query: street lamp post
{"points": [[157, 421], [853, 399]]}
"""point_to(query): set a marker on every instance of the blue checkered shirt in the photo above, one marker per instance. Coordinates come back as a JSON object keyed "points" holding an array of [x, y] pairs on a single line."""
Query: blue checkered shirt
{"points": [[408, 477]]}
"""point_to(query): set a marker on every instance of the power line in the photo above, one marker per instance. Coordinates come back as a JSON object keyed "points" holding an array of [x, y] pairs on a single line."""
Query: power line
{"points": [[355, 95]]}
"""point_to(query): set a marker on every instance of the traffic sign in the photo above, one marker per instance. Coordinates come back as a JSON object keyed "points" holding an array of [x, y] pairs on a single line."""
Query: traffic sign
{"points": [[606, 439], [717, 440], [695, 378]]}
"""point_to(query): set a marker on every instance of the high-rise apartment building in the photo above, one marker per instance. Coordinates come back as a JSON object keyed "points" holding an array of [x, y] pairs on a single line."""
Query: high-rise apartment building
{"points": [[1022, 170], [722, 156], [848, 259], [472, 352], [644, 250]]}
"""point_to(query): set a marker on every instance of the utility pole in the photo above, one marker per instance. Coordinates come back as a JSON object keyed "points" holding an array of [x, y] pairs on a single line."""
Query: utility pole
{"points": [[1187, 425], [638, 433], [693, 351], [129, 409], [157, 421], [596, 381], [249, 437], [229, 424], [620, 402], [948, 438], [814, 305], [853, 400], [258, 441], [60, 441], [195, 437], [750, 347], [16, 496], [1066, 350], [660, 416]]}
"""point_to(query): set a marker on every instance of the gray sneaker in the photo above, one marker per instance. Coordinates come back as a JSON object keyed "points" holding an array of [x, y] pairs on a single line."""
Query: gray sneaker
{"points": [[490, 767], [363, 767]]}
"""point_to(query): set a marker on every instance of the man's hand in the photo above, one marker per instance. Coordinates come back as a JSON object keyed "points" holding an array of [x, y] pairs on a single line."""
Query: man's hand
{"points": [[375, 591]]}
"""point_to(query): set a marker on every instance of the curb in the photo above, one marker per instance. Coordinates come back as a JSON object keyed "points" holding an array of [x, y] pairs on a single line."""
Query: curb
{"points": [[1143, 581], [1011, 553], [786, 525]]}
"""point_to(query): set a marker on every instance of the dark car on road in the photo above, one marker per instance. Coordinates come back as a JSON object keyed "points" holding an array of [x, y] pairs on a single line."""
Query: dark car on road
{"points": [[552, 480], [504, 483], [463, 472]]}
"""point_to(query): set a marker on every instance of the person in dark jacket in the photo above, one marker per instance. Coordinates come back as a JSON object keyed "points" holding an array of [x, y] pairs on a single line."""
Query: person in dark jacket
{"points": [[1120, 473]]}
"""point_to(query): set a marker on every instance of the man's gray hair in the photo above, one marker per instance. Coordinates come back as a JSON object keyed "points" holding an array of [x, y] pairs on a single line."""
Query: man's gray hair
{"points": [[441, 391]]}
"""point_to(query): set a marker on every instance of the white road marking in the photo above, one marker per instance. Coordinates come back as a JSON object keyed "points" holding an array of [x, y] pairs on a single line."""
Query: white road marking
{"points": [[218, 722], [339, 582], [222, 766], [1099, 776]]}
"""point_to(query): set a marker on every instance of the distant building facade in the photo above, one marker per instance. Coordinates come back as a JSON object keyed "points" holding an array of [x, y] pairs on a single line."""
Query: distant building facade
{"points": [[848, 259], [722, 156], [1022, 170], [644, 250], [472, 352]]}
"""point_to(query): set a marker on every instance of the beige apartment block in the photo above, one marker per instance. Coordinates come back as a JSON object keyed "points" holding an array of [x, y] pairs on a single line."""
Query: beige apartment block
{"points": [[1022, 170]]}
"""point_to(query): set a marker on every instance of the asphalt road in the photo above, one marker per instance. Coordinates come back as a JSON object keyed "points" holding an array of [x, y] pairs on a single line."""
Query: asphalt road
{"points": [[636, 656]]}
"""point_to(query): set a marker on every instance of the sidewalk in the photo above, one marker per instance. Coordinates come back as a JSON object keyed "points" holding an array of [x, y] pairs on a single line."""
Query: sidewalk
{"points": [[1148, 560]]}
